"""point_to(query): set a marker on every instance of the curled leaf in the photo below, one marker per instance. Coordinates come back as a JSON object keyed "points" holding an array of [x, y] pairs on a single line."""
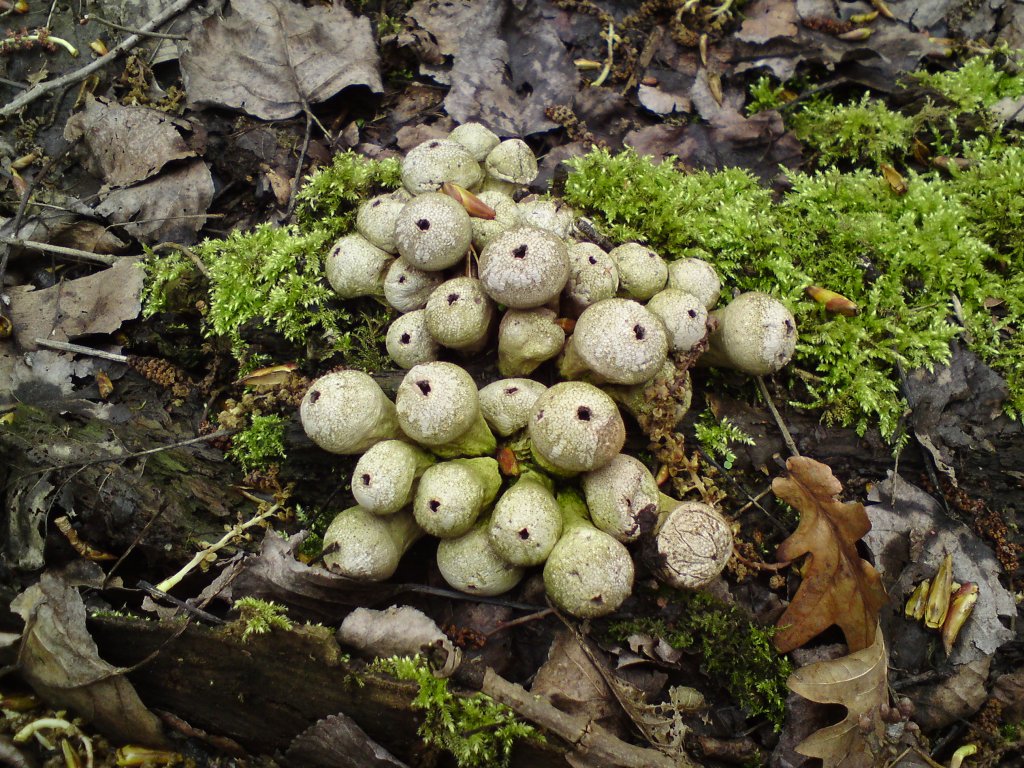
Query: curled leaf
{"points": [[832, 301], [474, 206]]}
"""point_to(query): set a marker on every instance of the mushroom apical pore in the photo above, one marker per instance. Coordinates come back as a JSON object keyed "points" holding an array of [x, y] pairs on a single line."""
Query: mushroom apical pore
{"points": [[575, 427], [617, 341], [432, 232], [459, 314], [408, 341], [524, 267]]}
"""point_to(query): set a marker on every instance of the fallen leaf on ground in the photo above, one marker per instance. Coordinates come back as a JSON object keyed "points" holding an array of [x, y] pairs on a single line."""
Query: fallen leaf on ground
{"points": [[395, 631], [570, 681], [338, 742], [270, 57], [59, 659], [857, 682], [123, 145], [838, 587]]}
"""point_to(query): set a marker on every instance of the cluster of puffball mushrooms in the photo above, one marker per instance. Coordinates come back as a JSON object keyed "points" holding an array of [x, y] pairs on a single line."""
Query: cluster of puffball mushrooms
{"points": [[458, 256]]}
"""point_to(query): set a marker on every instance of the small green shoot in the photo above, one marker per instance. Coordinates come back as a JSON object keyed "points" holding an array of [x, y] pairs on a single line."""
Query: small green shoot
{"points": [[716, 435], [260, 444], [258, 617]]}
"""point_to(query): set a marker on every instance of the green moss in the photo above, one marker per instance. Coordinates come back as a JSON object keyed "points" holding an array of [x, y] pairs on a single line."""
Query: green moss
{"points": [[979, 82], [260, 444], [475, 729], [866, 131], [717, 434], [258, 617], [735, 653]]}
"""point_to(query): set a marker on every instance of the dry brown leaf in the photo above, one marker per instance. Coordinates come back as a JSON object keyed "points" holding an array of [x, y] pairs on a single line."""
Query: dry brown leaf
{"points": [[838, 587], [857, 682]]}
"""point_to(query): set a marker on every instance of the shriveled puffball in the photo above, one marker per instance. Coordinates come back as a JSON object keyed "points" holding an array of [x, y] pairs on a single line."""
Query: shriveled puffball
{"points": [[684, 317], [526, 338], [693, 544], [575, 427], [427, 166], [409, 343], [407, 288], [477, 138], [459, 314], [469, 564], [593, 277], [524, 267], [506, 403], [383, 480], [433, 232], [506, 216], [618, 493], [376, 218], [642, 272], [347, 412], [356, 267], [695, 276], [554, 216], [618, 341]]}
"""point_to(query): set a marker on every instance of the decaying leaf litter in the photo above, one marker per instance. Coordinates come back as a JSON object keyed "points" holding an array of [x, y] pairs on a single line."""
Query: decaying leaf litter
{"points": [[184, 139]]}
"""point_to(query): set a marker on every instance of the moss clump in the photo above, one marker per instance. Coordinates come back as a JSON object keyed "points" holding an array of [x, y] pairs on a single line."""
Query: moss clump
{"points": [[475, 729], [260, 444], [866, 131], [716, 435], [735, 653], [258, 617]]}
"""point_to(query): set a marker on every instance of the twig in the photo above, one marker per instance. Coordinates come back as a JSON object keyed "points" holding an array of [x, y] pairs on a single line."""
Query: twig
{"points": [[159, 594], [786, 437], [99, 258], [145, 33], [521, 620], [23, 100], [78, 349]]}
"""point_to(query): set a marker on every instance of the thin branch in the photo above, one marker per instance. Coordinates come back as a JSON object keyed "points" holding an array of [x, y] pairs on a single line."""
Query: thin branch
{"points": [[60, 250], [24, 99], [786, 437], [78, 349], [159, 35]]}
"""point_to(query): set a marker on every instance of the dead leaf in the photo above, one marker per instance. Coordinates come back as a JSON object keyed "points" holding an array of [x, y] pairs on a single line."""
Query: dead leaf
{"points": [[270, 57], [838, 587], [338, 742], [508, 66], [169, 207], [96, 304], [764, 20], [857, 682], [123, 145], [59, 659], [395, 631], [570, 681]]}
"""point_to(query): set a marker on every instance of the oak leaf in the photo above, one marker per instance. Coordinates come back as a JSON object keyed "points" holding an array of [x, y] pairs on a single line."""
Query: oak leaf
{"points": [[859, 683], [838, 587]]}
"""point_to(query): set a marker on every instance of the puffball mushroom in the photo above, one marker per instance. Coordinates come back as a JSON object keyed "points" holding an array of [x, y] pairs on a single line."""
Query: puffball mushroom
{"points": [[697, 277], [383, 480], [427, 166], [642, 272], [469, 564], [506, 403], [552, 215], [478, 139], [347, 412], [575, 427], [588, 573], [459, 314], [526, 338], [524, 267], [693, 544], [684, 317], [438, 407], [432, 232], [375, 219], [593, 277], [363, 546], [408, 341], [526, 521], [618, 493], [407, 288], [511, 164], [356, 267], [755, 334], [451, 495], [506, 216], [618, 341]]}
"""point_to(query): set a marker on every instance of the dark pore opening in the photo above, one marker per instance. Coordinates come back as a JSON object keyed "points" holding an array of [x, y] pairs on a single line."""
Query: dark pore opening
{"points": [[519, 252], [375, 203], [583, 413], [524, 534], [592, 260], [639, 332], [423, 224], [314, 395], [452, 298], [424, 386], [401, 278], [511, 390], [692, 313], [365, 477], [432, 144], [434, 505], [405, 338]]}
